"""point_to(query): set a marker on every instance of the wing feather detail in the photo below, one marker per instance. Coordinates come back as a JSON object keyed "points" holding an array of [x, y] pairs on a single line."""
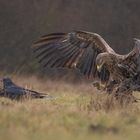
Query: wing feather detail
{"points": [[131, 61], [77, 49]]}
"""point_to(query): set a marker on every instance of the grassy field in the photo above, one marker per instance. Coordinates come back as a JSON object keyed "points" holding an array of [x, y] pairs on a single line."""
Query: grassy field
{"points": [[77, 112]]}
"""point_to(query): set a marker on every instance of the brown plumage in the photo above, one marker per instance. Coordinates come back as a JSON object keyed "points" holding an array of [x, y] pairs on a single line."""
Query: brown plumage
{"points": [[89, 53]]}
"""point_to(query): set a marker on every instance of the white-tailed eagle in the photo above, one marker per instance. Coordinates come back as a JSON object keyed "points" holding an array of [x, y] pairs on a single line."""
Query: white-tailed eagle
{"points": [[89, 53]]}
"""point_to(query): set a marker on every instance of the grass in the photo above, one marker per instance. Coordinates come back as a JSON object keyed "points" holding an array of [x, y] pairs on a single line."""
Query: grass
{"points": [[78, 112]]}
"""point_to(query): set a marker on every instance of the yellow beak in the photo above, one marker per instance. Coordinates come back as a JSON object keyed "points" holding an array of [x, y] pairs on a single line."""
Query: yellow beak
{"points": [[99, 67]]}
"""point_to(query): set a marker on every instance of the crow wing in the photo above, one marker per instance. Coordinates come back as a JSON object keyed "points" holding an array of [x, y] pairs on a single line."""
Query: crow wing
{"points": [[77, 49]]}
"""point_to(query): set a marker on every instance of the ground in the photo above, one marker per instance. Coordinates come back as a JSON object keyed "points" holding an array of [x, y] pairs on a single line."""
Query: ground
{"points": [[77, 112]]}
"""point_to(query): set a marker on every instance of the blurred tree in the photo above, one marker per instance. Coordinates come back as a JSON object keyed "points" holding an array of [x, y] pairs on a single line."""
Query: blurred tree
{"points": [[22, 22]]}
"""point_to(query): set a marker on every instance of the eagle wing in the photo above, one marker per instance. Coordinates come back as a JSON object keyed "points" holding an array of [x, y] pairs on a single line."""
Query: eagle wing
{"points": [[131, 61], [77, 49]]}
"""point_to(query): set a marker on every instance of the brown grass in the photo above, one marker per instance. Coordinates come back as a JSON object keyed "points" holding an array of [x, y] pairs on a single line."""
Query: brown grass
{"points": [[78, 112]]}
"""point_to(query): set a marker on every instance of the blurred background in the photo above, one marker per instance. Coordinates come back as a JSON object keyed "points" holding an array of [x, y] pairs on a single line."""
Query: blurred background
{"points": [[23, 21]]}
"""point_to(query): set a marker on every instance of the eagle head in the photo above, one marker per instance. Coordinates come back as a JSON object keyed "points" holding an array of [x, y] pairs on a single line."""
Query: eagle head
{"points": [[101, 59]]}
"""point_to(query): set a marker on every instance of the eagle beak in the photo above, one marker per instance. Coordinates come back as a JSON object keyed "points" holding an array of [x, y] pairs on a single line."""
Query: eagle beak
{"points": [[99, 68]]}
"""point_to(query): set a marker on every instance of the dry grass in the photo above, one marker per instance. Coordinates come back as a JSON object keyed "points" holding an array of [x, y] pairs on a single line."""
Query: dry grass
{"points": [[78, 112]]}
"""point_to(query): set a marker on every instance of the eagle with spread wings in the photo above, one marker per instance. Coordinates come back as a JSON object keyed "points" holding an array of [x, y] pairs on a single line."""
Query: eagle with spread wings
{"points": [[90, 54]]}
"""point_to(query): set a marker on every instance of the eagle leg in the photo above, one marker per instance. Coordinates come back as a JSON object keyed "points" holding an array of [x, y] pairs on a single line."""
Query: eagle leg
{"points": [[124, 93], [111, 86]]}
